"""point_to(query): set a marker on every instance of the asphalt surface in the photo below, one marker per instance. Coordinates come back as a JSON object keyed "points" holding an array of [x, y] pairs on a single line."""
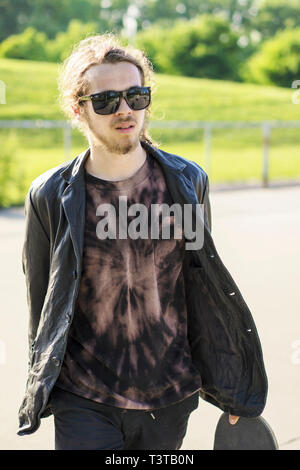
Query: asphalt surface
{"points": [[256, 233]]}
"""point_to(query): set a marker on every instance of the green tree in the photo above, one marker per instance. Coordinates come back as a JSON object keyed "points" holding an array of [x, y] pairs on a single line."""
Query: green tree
{"points": [[274, 16], [31, 44], [112, 12], [53, 16], [154, 41], [14, 15], [149, 12], [48, 16], [277, 62], [61, 46], [203, 47]]}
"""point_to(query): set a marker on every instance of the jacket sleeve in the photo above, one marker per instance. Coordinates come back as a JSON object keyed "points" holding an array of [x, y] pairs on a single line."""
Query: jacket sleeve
{"points": [[202, 191], [35, 264], [207, 208]]}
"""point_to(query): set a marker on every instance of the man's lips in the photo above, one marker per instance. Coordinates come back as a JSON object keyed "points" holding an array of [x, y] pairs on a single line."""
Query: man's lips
{"points": [[125, 128]]}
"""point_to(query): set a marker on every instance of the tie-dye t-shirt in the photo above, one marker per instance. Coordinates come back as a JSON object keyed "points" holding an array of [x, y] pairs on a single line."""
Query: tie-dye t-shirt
{"points": [[127, 344]]}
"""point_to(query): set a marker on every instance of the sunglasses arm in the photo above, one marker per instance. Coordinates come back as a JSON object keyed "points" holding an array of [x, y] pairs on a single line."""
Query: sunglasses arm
{"points": [[84, 98]]}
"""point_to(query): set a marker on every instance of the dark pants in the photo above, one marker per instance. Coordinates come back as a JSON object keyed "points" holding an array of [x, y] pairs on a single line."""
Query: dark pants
{"points": [[82, 424]]}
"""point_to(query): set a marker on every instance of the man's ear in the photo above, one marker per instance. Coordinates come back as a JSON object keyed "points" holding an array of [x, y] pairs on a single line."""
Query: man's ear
{"points": [[76, 111]]}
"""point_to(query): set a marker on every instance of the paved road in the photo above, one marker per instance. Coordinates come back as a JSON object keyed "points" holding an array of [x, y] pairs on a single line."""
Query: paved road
{"points": [[256, 232]]}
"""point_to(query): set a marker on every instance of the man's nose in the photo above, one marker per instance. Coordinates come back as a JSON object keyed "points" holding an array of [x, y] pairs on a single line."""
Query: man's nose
{"points": [[124, 108]]}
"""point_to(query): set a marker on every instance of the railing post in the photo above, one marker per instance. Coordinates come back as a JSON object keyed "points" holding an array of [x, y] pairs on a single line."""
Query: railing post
{"points": [[68, 142], [2, 92], [266, 130], [207, 148]]}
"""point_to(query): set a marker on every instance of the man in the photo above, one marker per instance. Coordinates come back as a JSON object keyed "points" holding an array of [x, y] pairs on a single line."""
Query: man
{"points": [[126, 329]]}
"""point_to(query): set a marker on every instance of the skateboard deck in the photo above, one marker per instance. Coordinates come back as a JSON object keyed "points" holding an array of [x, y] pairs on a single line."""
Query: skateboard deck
{"points": [[246, 434]]}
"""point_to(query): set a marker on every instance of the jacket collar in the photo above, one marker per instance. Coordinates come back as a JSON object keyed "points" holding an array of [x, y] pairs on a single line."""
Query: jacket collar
{"points": [[76, 167]]}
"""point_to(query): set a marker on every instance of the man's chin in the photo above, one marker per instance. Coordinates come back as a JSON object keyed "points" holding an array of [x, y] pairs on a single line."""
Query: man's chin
{"points": [[121, 148], [130, 147]]}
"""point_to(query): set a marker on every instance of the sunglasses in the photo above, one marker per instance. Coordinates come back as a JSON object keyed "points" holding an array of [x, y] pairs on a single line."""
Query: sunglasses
{"points": [[108, 102]]}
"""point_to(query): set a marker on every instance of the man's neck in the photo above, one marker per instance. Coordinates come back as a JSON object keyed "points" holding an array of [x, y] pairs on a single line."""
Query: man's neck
{"points": [[114, 167]]}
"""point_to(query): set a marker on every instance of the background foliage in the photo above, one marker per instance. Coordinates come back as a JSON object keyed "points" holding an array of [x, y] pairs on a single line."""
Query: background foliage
{"points": [[230, 60], [236, 153], [230, 39]]}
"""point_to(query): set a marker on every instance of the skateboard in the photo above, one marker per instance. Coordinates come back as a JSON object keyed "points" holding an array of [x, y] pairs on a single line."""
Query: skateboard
{"points": [[246, 434]]}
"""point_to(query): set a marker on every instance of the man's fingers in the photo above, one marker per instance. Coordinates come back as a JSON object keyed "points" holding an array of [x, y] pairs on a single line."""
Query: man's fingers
{"points": [[233, 419]]}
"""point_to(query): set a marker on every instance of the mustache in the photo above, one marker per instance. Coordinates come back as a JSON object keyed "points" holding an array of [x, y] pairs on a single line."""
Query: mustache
{"points": [[124, 121]]}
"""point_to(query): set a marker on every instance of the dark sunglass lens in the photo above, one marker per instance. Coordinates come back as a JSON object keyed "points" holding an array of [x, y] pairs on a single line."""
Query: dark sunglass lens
{"points": [[106, 103], [138, 98]]}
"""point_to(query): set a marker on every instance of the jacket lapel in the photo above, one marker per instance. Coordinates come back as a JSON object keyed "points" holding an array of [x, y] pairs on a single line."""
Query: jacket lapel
{"points": [[181, 188], [73, 200]]}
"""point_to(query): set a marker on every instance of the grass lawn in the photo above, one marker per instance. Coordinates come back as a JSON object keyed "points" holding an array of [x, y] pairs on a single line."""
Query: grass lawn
{"points": [[236, 154]]}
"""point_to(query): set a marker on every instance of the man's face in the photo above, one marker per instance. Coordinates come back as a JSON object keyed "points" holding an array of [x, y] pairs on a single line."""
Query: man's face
{"points": [[102, 129]]}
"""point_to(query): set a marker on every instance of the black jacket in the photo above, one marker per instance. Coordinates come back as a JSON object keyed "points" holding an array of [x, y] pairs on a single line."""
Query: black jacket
{"points": [[222, 335]]}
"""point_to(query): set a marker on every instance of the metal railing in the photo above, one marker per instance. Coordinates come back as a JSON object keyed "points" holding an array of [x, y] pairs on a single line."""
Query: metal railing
{"points": [[266, 127], [207, 126]]}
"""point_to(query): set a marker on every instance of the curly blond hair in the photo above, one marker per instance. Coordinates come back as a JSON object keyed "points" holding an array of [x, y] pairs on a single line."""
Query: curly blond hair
{"points": [[95, 50]]}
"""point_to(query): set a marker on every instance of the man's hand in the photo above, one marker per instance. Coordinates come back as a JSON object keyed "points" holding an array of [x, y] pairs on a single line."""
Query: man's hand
{"points": [[233, 419]]}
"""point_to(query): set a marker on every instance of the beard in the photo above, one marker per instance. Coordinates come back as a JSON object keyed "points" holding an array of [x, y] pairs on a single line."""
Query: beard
{"points": [[116, 146]]}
